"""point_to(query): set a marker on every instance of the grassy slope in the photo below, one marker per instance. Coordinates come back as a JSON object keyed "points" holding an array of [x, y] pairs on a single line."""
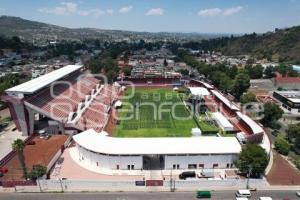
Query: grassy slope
{"points": [[180, 128]]}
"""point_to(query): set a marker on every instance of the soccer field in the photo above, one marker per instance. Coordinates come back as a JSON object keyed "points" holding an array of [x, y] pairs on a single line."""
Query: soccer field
{"points": [[145, 122]]}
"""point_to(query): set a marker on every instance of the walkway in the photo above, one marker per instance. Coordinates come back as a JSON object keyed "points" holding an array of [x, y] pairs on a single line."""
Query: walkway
{"points": [[7, 137]]}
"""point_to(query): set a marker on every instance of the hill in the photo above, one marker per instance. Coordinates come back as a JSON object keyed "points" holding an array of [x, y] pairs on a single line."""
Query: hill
{"points": [[38, 32], [282, 45]]}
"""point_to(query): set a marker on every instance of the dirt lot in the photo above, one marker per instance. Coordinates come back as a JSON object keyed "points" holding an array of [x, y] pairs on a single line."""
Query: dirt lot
{"points": [[282, 173], [40, 153]]}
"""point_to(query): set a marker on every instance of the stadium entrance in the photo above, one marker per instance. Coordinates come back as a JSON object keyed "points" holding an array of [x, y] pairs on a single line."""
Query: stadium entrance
{"points": [[153, 162]]}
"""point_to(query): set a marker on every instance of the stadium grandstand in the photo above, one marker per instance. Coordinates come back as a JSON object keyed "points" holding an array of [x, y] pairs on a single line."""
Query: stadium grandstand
{"points": [[67, 99]]}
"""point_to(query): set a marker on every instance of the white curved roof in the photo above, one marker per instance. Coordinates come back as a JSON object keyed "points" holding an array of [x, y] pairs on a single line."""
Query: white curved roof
{"points": [[42, 81], [199, 91], [225, 100], [97, 142], [252, 124]]}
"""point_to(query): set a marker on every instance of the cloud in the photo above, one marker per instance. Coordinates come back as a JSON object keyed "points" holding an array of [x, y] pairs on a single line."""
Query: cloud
{"points": [[125, 9], [69, 8], [210, 12], [232, 11], [218, 11], [155, 12], [110, 11]]}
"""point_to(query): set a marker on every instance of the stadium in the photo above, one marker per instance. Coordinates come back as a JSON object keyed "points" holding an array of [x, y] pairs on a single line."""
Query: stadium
{"points": [[135, 125]]}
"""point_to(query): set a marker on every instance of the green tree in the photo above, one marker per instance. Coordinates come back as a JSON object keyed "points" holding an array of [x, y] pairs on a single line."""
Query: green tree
{"points": [[293, 134], [282, 145], [165, 63], [272, 112], [269, 72], [127, 70], [255, 71], [248, 97], [254, 159], [241, 84], [37, 171], [18, 146]]}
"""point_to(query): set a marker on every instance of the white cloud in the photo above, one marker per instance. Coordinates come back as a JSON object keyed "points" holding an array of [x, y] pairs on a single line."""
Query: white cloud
{"points": [[155, 12], [210, 12], [69, 8], [218, 11], [232, 11], [125, 9], [110, 11]]}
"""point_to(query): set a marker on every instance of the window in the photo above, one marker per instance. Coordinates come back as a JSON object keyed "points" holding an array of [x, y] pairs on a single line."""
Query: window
{"points": [[178, 166], [215, 165], [118, 167], [228, 165], [192, 166], [128, 167], [132, 167], [97, 163], [174, 166], [201, 165]]}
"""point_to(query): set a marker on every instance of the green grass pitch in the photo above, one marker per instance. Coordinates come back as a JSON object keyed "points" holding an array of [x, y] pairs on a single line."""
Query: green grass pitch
{"points": [[144, 123]]}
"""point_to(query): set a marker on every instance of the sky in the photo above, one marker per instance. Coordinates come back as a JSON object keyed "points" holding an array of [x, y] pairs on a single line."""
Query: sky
{"points": [[202, 16]]}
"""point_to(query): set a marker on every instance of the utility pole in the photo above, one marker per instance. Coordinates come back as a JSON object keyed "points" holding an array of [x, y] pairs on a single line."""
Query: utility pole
{"points": [[248, 176]]}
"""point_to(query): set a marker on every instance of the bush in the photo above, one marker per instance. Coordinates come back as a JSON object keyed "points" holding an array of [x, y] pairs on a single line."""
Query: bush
{"points": [[282, 145], [37, 171]]}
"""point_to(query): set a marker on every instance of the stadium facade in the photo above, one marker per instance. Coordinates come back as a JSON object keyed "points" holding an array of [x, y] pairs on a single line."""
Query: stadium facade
{"points": [[70, 100]]}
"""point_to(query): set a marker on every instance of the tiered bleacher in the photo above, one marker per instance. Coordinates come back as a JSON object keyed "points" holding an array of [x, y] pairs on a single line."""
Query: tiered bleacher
{"points": [[77, 100]]}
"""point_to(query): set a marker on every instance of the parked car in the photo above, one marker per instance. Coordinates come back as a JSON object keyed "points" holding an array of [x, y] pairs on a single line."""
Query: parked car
{"points": [[187, 174], [265, 198], [298, 193], [243, 193], [241, 198], [203, 194]]}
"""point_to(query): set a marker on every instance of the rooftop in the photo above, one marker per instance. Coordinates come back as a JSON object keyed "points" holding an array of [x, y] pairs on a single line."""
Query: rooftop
{"points": [[101, 143], [199, 91], [252, 124], [36, 84], [225, 100]]}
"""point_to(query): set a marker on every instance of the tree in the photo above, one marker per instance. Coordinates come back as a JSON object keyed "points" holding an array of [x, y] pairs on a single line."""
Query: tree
{"points": [[241, 84], [37, 171], [18, 146], [127, 70], [165, 63], [248, 97], [269, 72], [293, 133], [282, 145], [272, 112], [253, 159], [255, 72]]}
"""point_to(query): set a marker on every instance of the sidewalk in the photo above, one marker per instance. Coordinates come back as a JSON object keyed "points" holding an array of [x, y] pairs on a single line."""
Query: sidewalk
{"points": [[142, 188], [7, 137]]}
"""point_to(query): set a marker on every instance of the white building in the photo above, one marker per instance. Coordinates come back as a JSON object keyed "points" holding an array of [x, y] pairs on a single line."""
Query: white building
{"points": [[96, 150], [222, 121]]}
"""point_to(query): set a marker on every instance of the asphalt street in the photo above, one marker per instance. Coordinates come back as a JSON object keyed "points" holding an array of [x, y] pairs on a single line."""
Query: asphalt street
{"points": [[216, 195]]}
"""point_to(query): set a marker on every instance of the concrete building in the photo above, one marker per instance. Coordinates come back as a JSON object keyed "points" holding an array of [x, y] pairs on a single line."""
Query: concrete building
{"points": [[289, 100], [104, 152]]}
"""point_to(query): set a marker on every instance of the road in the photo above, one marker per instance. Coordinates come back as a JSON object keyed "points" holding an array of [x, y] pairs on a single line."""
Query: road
{"points": [[216, 195]]}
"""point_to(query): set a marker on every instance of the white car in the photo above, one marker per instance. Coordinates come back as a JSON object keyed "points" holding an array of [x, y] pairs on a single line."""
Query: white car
{"points": [[265, 198], [241, 198], [298, 194], [243, 193]]}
